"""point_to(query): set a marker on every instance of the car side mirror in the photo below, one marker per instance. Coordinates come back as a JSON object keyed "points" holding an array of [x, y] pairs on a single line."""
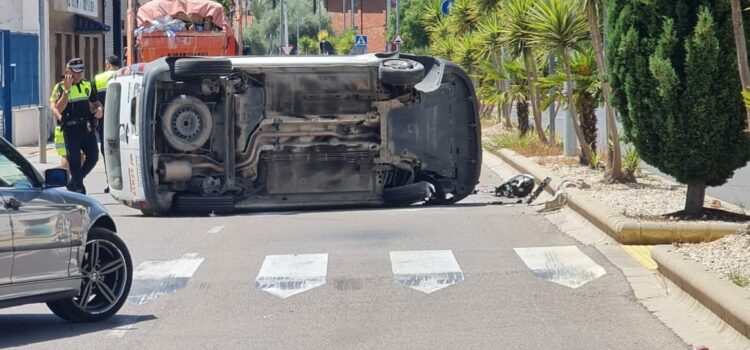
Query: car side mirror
{"points": [[55, 178]]}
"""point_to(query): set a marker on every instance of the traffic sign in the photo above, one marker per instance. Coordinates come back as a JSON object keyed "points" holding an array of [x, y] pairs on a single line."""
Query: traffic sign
{"points": [[287, 49], [360, 40], [398, 40], [446, 7]]}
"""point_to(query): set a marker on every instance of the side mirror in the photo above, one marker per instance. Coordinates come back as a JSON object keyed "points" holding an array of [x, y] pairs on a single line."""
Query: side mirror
{"points": [[55, 178]]}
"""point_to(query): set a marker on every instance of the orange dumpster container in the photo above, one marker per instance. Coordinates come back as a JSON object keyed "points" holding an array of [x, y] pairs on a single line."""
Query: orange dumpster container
{"points": [[186, 43]]}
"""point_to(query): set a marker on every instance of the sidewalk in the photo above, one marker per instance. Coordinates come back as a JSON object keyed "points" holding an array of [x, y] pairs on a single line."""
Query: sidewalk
{"points": [[32, 154]]}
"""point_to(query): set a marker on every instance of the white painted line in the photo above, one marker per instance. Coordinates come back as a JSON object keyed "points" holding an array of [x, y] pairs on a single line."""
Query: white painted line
{"points": [[159, 269], [427, 271], [126, 324], [287, 275], [155, 278], [567, 266], [214, 230]]}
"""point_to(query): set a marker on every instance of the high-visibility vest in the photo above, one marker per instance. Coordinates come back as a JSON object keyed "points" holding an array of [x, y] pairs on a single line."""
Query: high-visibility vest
{"points": [[102, 78]]}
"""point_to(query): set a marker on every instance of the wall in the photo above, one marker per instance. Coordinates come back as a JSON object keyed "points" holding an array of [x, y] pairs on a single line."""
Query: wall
{"points": [[26, 126], [373, 21], [11, 15], [30, 16]]}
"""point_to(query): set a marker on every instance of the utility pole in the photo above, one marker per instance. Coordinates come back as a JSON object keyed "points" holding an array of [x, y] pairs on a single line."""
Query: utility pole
{"points": [[296, 19], [387, 21], [353, 11], [398, 23], [343, 14], [131, 28], [43, 83]]}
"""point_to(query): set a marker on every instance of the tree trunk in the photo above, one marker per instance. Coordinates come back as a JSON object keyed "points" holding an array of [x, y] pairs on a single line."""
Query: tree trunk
{"points": [[587, 115], [522, 112], [585, 150], [531, 73], [614, 156], [740, 44], [696, 193]]}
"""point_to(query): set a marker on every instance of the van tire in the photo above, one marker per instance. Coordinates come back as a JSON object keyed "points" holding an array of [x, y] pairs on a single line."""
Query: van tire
{"points": [[201, 67], [400, 71]]}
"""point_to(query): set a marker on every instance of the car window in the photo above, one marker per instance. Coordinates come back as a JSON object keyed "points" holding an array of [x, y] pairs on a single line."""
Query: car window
{"points": [[12, 175]]}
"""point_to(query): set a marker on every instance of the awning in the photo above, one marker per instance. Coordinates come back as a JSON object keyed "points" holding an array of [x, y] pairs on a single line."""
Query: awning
{"points": [[87, 25]]}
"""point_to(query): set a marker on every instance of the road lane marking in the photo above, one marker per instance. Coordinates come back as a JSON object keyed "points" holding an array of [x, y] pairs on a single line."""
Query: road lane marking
{"points": [[287, 275], [642, 254], [427, 270], [155, 278], [567, 265], [214, 230]]}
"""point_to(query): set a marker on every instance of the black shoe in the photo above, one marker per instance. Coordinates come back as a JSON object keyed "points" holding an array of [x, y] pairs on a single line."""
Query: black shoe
{"points": [[106, 190]]}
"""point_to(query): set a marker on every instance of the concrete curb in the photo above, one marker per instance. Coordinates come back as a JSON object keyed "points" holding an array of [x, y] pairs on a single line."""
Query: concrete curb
{"points": [[728, 301], [623, 229]]}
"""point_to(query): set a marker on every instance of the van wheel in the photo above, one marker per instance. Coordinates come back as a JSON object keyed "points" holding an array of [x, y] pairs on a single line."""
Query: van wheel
{"points": [[107, 275], [400, 71], [201, 67]]}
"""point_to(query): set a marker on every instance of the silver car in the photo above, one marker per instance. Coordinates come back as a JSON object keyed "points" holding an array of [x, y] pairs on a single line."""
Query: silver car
{"points": [[56, 246]]}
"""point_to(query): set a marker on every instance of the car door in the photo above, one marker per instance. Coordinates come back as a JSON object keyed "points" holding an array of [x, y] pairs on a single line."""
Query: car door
{"points": [[40, 221], [6, 246]]}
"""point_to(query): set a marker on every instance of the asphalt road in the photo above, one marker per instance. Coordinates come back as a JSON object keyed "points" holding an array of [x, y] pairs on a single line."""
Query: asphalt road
{"points": [[495, 301]]}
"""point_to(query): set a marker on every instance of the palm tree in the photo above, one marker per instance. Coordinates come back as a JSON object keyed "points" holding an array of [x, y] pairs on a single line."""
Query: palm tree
{"points": [[614, 160], [464, 16], [491, 48], [740, 44], [587, 93], [560, 25], [517, 38]]}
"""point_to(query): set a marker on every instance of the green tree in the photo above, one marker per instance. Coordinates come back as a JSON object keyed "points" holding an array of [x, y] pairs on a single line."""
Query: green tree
{"points": [[308, 46], [415, 36], [613, 171], [560, 25], [674, 80], [517, 38], [263, 35]]}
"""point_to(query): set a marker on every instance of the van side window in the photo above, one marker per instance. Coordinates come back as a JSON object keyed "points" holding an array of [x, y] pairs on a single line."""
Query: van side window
{"points": [[135, 108], [112, 113]]}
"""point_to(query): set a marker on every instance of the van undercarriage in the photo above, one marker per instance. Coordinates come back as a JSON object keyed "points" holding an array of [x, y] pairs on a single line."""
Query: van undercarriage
{"points": [[227, 135]]}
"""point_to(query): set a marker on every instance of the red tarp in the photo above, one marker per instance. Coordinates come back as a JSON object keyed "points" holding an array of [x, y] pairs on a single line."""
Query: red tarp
{"points": [[193, 10]]}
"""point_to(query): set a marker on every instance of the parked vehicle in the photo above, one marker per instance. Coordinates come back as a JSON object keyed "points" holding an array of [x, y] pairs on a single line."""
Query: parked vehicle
{"points": [[56, 246], [209, 134]]}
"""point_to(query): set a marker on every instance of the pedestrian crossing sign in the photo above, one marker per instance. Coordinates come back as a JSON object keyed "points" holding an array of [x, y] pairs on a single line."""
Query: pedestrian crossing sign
{"points": [[360, 40]]}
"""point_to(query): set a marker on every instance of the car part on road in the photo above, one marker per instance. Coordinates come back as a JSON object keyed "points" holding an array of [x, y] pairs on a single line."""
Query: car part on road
{"points": [[107, 276], [400, 71], [518, 186], [539, 190]]}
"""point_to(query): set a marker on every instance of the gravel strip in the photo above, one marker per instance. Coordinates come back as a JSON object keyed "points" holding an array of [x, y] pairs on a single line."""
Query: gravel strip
{"points": [[729, 255], [654, 196], [650, 196]]}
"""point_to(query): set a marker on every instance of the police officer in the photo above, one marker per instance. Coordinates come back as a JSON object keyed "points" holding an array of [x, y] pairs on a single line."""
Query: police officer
{"points": [[111, 65], [77, 102]]}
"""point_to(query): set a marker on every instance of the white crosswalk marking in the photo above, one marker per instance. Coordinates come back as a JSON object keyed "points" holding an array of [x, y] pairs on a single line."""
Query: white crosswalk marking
{"points": [[215, 230], [567, 266], [427, 271], [287, 275], [155, 278]]}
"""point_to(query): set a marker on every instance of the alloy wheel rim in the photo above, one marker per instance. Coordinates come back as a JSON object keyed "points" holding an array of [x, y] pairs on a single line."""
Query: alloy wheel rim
{"points": [[104, 277]]}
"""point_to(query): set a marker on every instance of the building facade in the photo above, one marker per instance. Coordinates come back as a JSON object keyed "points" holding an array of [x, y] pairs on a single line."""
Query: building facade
{"points": [[369, 18]]}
